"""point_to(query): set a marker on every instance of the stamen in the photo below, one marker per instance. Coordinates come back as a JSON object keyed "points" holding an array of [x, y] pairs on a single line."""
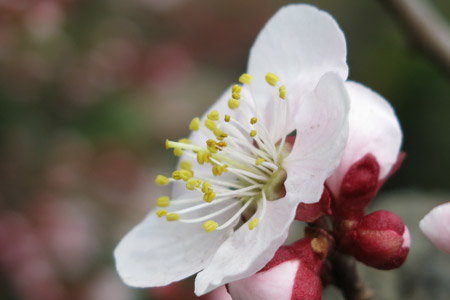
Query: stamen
{"points": [[227, 118], [233, 103], [214, 115], [253, 223], [282, 91], [162, 180], [236, 215], [186, 165], [195, 124], [272, 79], [253, 133], [236, 88], [173, 217], [245, 78], [163, 201], [210, 226], [161, 213], [253, 120]]}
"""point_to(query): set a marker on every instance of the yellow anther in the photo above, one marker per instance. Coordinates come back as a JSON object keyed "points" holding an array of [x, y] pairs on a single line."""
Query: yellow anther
{"points": [[210, 226], [167, 144], [245, 78], [192, 184], [253, 133], [220, 135], [233, 103], [236, 96], [163, 201], [173, 217], [217, 170], [272, 79], [186, 165], [210, 124], [184, 141], [162, 180], [214, 115], [222, 144], [203, 157], [161, 213], [182, 175], [178, 152], [209, 196], [195, 124], [236, 88], [227, 118], [206, 186], [259, 161], [283, 92], [253, 223], [253, 120], [211, 144]]}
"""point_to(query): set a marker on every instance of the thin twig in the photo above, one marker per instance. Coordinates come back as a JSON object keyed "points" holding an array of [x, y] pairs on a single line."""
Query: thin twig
{"points": [[347, 280], [425, 27]]}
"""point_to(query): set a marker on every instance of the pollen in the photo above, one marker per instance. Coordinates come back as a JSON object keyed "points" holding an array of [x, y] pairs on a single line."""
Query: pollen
{"points": [[253, 223], [195, 124], [253, 133], [213, 116], [186, 165], [173, 217], [162, 180], [209, 196], [245, 78], [259, 161], [182, 175], [218, 170], [282, 92], [210, 124], [233, 103], [227, 118], [163, 201], [203, 157], [210, 226], [236, 96], [272, 79], [253, 120], [177, 152], [236, 88], [206, 186], [161, 213], [193, 184]]}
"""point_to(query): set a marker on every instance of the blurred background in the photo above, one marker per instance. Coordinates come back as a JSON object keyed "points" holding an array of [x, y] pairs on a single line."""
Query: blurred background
{"points": [[89, 91]]}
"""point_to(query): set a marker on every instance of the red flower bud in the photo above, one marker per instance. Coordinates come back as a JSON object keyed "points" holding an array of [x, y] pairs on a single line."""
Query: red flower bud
{"points": [[380, 240], [292, 274]]}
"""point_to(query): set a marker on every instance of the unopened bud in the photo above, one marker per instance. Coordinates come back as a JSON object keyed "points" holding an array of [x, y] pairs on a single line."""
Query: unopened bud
{"points": [[380, 240], [293, 273]]}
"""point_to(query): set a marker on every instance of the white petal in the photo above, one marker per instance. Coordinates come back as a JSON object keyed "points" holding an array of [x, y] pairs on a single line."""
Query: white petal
{"points": [[322, 129], [299, 43], [157, 252], [436, 226], [248, 251], [275, 283], [373, 128]]}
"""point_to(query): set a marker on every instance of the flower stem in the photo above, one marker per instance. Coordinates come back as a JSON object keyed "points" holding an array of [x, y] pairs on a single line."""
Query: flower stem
{"points": [[346, 278]]}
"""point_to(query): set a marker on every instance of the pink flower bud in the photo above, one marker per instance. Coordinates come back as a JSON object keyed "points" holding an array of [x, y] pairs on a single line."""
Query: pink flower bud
{"points": [[436, 226], [380, 240], [293, 274]]}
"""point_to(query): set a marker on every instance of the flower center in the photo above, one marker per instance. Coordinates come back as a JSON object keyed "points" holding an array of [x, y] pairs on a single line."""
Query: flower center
{"points": [[237, 169]]}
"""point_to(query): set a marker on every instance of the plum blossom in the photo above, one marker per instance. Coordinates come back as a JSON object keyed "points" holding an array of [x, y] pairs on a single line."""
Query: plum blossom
{"points": [[238, 182], [436, 226]]}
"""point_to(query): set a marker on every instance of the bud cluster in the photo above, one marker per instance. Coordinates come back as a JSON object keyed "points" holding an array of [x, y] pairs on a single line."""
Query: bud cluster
{"points": [[338, 226]]}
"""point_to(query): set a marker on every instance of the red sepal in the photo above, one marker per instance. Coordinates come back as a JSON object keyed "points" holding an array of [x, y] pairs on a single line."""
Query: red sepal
{"points": [[311, 212]]}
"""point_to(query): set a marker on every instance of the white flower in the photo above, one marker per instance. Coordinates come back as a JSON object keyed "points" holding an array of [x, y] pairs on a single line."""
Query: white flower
{"points": [[239, 182], [436, 226]]}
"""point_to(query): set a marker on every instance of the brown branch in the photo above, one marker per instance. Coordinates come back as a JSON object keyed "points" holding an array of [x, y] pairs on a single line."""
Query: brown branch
{"points": [[346, 278], [425, 27]]}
